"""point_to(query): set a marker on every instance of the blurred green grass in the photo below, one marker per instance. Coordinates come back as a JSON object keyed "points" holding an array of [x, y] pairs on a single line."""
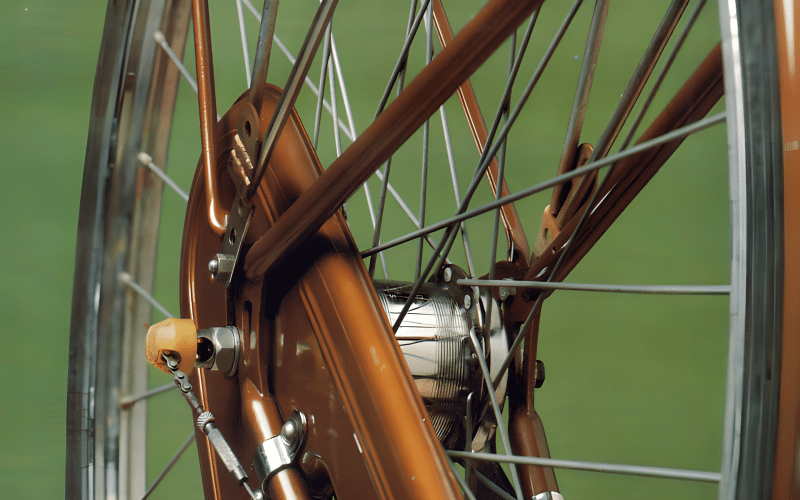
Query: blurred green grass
{"points": [[630, 379], [48, 55]]}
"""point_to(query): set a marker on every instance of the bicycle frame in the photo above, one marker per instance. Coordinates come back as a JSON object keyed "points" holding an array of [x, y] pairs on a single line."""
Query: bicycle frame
{"points": [[355, 378]]}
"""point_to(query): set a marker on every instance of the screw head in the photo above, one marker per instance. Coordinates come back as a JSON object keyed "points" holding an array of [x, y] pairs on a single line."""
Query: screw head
{"points": [[467, 301], [289, 431], [213, 266], [448, 274]]}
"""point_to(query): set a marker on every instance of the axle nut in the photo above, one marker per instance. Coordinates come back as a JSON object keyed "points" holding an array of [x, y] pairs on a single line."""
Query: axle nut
{"points": [[173, 335]]}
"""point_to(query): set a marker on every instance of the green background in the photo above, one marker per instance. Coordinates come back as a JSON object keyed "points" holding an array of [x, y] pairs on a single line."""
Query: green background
{"points": [[629, 379]]}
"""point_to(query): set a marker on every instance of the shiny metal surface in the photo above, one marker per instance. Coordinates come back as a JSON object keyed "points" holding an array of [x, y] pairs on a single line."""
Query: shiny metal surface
{"points": [[279, 452], [434, 339], [223, 351]]}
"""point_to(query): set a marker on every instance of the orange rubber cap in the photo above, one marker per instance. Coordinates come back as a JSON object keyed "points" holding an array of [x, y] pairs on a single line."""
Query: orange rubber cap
{"points": [[173, 335]]}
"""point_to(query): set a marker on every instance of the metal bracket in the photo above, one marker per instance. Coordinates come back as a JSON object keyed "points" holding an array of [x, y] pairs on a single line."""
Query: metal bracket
{"points": [[240, 168], [278, 452]]}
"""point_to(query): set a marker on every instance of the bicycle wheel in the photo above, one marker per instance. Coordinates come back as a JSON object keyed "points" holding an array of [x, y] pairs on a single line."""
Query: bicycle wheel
{"points": [[136, 95]]}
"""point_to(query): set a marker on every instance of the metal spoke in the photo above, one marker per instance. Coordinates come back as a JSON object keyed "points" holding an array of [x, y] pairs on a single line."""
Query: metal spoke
{"points": [[560, 179], [291, 90], [371, 209], [161, 40], [128, 401], [631, 470], [347, 128], [588, 287], [401, 60], [323, 76], [501, 425], [501, 162], [170, 464], [403, 206], [585, 80], [147, 160], [640, 76], [426, 133], [337, 139], [440, 253], [467, 442], [456, 190], [292, 60], [694, 127], [376, 234], [128, 280], [348, 111], [604, 144], [660, 79], [245, 49], [266, 32]]}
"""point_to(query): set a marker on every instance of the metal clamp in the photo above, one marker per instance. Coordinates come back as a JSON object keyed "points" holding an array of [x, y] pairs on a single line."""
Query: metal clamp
{"points": [[278, 452], [223, 263]]}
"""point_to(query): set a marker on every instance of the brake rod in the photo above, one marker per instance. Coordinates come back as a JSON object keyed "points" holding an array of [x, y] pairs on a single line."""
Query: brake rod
{"points": [[423, 96]]}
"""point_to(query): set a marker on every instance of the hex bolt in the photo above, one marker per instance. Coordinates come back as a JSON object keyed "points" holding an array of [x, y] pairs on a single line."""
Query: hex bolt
{"points": [[467, 301], [221, 267], [448, 274]]}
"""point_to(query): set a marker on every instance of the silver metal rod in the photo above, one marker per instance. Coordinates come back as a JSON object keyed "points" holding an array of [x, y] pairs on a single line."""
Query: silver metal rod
{"points": [[560, 179], [348, 111], [612, 288], [426, 134], [441, 251], [590, 55], [292, 60], [448, 144], [371, 209], [170, 464], [292, 89], [388, 164], [266, 32], [245, 49], [501, 425], [128, 280], [400, 65], [161, 40], [337, 139], [147, 160], [323, 75], [631, 470], [128, 401], [638, 80]]}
